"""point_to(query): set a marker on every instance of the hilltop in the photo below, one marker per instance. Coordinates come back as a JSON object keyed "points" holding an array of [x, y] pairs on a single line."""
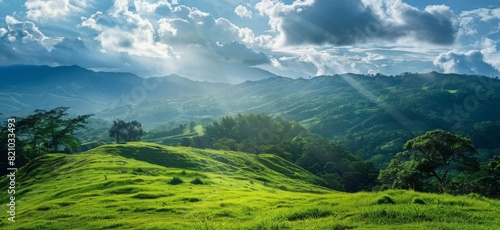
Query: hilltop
{"points": [[132, 186]]}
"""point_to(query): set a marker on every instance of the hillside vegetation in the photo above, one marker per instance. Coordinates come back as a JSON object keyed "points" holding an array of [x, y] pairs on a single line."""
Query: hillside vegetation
{"points": [[373, 116], [150, 186], [259, 133]]}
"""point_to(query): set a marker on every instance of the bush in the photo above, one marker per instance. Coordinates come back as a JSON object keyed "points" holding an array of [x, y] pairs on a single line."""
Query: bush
{"points": [[385, 199], [175, 181], [313, 213], [192, 200], [196, 181], [418, 200]]}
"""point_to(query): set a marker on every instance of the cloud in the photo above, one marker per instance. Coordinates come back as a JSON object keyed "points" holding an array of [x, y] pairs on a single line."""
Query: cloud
{"points": [[484, 14], [243, 12], [25, 35], [195, 27], [347, 22], [235, 52], [124, 31], [146, 7], [490, 52], [477, 25], [165, 28], [471, 62], [52, 9]]}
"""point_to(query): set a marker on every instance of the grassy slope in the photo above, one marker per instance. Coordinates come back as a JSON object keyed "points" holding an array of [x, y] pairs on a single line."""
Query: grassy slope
{"points": [[126, 187]]}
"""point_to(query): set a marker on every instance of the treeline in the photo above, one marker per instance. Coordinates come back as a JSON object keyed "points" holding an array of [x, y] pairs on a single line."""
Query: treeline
{"points": [[442, 162], [42, 132], [437, 161], [257, 133]]}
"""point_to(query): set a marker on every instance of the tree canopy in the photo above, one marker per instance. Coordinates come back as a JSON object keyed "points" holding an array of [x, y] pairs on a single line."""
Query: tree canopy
{"points": [[428, 161], [259, 133], [44, 131], [50, 130], [126, 131]]}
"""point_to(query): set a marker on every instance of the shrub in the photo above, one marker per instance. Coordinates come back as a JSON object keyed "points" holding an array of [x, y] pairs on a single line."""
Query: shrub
{"points": [[145, 196], [175, 181], [418, 200], [385, 199], [192, 200], [196, 181], [312, 213], [282, 187]]}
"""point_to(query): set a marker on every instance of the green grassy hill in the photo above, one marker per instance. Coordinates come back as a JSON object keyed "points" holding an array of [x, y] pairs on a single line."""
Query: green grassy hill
{"points": [[131, 186]]}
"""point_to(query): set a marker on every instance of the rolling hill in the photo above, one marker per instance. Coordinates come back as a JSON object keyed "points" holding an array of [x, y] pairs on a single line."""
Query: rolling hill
{"points": [[149, 186]]}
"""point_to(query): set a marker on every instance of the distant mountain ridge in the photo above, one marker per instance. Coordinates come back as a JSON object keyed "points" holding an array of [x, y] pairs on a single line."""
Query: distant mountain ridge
{"points": [[25, 88]]}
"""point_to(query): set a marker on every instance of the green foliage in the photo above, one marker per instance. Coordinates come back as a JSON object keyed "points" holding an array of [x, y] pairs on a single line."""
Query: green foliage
{"points": [[42, 132], [312, 213], [147, 196], [385, 199], [175, 181], [429, 161], [191, 199], [258, 133], [126, 131], [51, 129], [196, 181], [485, 182], [492, 181], [418, 200]]}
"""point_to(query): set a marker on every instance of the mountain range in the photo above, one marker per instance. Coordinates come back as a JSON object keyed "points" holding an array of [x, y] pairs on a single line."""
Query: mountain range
{"points": [[372, 115], [25, 88]]}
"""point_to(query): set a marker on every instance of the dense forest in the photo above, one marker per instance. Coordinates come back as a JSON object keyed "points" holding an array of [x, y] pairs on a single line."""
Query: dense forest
{"points": [[262, 134]]}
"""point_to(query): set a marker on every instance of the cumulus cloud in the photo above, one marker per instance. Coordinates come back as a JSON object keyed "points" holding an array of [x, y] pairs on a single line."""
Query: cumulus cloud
{"points": [[165, 28], [195, 27], [26, 33], [490, 52], [471, 62], [124, 31], [243, 12], [23, 42], [52, 9], [147, 7], [346, 22]]}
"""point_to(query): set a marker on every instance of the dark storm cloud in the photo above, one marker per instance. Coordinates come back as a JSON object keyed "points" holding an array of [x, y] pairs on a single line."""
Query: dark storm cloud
{"points": [[238, 53], [345, 22], [334, 22], [433, 28]]}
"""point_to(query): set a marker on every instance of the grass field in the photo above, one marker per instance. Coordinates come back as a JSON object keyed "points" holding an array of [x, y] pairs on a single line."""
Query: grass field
{"points": [[150, 186]]}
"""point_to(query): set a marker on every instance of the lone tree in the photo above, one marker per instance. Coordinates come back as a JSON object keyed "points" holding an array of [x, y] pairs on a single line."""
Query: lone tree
{"points": [[428, 161], [51, 130], [126, 131]]}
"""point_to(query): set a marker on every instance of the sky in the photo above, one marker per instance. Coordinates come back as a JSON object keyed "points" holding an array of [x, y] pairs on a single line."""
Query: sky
{"points": [[220, 41]]}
